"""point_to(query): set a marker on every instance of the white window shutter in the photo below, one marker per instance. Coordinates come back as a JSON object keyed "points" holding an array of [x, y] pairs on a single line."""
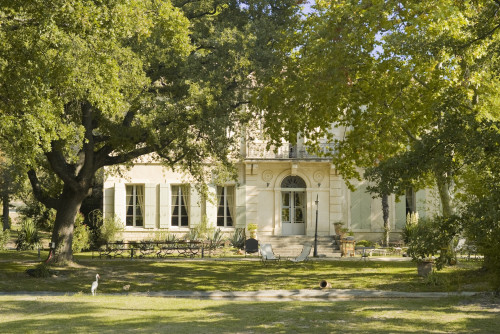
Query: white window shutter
{"points": [[165, 208], [194, 207], [150, 205], [211, 205], [421, 203], [400, 213], [120, 202]]}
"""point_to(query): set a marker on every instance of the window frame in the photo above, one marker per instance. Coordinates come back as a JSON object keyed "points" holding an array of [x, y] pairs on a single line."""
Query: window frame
{"points": [[135, 205], [227, 210], [179, 195]]}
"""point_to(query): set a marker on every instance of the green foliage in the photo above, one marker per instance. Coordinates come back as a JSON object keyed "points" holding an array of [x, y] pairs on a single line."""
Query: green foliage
{"points": [[81, 235], [103, 230], [170, 237], [192, 234], [237, 239], [4, 238], [431, 237], [215, 240], [40, 271], [410, 226], [42, 216], [364, 243], [105, 82], [28, 237], [203, 231], [111, 229]]}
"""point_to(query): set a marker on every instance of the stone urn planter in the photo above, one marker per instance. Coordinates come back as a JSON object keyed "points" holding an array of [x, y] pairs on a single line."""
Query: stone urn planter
{"points": [[338, 227], [424, 268]]}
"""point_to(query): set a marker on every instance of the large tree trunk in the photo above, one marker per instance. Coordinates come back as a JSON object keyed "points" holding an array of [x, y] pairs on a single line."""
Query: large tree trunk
{"points": [[385, 215], [444, 186], [5, 212], [62, 234]]}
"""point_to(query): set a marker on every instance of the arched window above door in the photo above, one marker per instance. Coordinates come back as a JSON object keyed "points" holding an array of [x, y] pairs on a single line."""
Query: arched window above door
{"points": [[292, 181]]}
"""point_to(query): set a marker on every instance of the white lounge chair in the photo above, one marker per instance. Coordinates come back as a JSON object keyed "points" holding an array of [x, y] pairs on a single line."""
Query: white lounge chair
{"points": [[267, 254], [304, 255]]}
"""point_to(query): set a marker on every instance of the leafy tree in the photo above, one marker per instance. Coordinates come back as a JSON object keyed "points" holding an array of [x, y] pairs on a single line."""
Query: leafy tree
{"points": [[85, 85], [397, 76]]}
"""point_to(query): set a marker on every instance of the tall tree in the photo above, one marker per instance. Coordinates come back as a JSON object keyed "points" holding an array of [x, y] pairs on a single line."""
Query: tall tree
{"points": [[84, 85], [395, 74]]}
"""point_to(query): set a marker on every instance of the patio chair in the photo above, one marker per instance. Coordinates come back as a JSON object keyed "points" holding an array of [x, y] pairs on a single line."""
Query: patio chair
{"points": [[304, 255], [267, 254]]}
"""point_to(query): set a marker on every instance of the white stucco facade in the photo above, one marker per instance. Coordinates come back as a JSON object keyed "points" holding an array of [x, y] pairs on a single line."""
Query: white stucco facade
{"points": [[268, 192]]}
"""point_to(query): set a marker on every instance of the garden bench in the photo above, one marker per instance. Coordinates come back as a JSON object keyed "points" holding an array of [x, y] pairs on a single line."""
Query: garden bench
{"points": [[181, 248]]}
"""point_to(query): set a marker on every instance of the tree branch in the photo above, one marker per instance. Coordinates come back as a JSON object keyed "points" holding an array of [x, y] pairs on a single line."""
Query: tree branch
{"points": [[40, 195], [489, 33], [61, 167], [85, 168]]}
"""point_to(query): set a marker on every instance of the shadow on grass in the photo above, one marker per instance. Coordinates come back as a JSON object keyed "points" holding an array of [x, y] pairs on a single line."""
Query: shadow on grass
{"points": [[160, 275], [131, 314]]}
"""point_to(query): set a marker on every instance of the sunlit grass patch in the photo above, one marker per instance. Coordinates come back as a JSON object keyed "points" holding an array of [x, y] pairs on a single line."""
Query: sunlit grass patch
{"points": [[84, 313], [159, 275]]}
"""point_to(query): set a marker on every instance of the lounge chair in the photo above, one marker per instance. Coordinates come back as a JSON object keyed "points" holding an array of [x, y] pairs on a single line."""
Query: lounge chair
{"points": [[267, 254], [304, 255]]}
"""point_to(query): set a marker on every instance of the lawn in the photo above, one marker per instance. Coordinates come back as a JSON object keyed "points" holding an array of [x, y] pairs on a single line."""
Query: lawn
{"points": [[109, 312], [234, 275], [123, 314]]}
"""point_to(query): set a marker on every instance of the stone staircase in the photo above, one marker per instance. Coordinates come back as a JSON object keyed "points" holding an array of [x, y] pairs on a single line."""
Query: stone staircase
{"points": [[291, 246]]}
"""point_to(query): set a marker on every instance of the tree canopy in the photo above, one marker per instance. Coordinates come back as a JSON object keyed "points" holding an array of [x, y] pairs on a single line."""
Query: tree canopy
{"points": [[400, 76], [85, 85]]}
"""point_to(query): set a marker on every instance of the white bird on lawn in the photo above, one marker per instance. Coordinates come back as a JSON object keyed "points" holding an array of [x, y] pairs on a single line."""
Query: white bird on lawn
{"points": [[94, 284]]}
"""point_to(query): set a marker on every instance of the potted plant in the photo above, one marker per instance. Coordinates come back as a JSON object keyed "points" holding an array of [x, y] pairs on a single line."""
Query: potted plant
{"points": [[252, 230], [338, 225], [428, 242]]}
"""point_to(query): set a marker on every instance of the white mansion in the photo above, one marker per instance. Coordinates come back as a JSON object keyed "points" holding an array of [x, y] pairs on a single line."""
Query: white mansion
{"points": [[276, 189]]}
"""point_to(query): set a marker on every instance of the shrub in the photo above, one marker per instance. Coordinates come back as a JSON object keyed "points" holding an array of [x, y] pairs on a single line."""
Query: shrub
{"points": [[42, 216], [28, 237], [237, 239], [103, 230], [40, 271], [203, 231], [4, 238], [81, 235], [430, 237], [110, 229], [411, 223], [364, 243], [215, 239]]}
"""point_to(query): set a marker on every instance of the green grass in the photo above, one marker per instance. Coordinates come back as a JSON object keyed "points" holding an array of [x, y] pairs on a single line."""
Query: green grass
{"points": [[161, 275], [123, 314], [108, 313]]}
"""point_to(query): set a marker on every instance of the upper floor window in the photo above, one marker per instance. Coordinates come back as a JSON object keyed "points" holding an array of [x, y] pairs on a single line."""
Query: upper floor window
{"points": [[180, 201], [225, 206], [135, 205]]}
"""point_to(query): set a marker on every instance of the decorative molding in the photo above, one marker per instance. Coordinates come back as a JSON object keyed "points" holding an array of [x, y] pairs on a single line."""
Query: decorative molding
{"points": [[267, 175], [318, 176], [293, 181]]}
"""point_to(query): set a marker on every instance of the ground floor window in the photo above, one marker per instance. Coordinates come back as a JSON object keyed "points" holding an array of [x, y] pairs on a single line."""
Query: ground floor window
{"points": [[135, 205], [225, 206], [180, 200]]}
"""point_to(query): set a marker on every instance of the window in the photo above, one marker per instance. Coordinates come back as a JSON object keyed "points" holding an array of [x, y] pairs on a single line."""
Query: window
{"points": [[225, 206], [135, 205], [180, 200]]}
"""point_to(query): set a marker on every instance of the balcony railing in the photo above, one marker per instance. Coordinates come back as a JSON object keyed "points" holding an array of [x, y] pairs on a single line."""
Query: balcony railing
{"points": [[286, 152]]}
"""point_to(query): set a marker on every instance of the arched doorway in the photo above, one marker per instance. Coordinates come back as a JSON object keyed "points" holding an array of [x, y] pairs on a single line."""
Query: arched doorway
{"points": [[293, 206]]}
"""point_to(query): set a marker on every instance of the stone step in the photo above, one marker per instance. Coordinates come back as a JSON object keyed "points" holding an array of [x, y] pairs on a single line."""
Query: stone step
{"points": [[291, 246]]}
